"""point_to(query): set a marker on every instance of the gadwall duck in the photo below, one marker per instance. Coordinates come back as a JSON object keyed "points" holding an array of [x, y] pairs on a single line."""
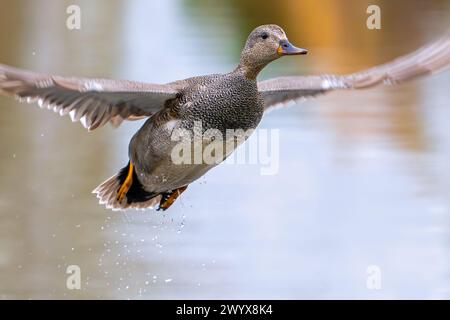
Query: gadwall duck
{"points": [[233, 100]]}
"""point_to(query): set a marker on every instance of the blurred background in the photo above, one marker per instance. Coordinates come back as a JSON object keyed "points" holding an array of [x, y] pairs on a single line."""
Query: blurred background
{"points": [[364, 176]]}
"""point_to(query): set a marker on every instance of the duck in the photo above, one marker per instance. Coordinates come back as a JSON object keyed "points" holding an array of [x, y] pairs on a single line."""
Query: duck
{"points": [[153, 177]]}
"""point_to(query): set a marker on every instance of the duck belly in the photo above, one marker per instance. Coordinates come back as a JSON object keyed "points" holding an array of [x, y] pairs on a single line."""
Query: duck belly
{"points": [[166, 159]]}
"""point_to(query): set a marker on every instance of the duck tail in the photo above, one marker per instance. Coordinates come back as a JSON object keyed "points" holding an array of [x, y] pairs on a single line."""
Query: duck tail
{"points": [[123, 191]]}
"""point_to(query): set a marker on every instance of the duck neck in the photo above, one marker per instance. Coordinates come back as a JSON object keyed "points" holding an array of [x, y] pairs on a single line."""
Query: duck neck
{"points": [[250, 69]]}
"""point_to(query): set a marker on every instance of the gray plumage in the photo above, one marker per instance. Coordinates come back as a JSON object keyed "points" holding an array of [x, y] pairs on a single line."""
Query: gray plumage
{"points": [[221, 101]]}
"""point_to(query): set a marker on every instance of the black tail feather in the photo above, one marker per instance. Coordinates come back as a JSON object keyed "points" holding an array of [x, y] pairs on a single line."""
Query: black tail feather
{"points": [[136, 193], [136, 197]]}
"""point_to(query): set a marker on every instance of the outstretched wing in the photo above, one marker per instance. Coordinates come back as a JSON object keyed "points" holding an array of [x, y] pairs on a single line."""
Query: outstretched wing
{"points": [[427, 60], [93, 102]]}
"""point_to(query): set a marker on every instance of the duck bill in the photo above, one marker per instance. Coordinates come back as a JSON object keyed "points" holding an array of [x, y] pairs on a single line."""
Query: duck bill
{"points": [[287, 49]]}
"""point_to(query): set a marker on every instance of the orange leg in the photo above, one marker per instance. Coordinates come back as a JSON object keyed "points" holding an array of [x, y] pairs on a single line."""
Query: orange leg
{"points": [[169, 198], [126, 184]]}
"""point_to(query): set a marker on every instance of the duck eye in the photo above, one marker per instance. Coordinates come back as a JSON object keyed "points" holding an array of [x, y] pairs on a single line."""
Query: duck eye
{"points": [[264, 36]]}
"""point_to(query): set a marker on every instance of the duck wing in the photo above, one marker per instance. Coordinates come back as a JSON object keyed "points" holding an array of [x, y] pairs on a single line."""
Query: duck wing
{"points": [[93, 102], [427, 60]]}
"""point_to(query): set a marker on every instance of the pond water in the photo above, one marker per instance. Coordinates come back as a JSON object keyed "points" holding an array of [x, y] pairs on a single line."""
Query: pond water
{"points": [[363, 181]]}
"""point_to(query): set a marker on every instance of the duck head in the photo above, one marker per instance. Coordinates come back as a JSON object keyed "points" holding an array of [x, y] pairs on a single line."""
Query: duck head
{"points": [[265, 44]]}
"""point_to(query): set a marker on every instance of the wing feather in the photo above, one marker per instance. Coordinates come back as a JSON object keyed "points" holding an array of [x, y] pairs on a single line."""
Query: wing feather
{"points": [[427, 60], [93, 102]]}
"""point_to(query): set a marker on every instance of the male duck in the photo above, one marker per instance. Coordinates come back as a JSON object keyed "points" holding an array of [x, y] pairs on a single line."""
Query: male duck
{"points": [[220, 101]]}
